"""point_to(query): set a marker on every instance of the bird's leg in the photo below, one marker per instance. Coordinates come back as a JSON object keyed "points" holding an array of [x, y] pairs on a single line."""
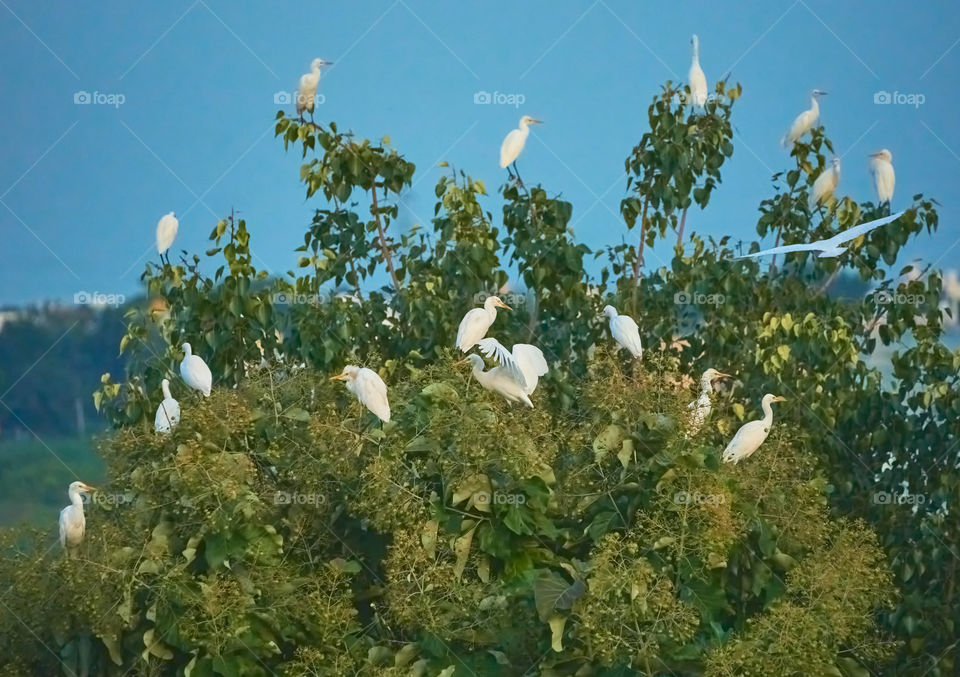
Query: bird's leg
{"points": [[519, 180]]}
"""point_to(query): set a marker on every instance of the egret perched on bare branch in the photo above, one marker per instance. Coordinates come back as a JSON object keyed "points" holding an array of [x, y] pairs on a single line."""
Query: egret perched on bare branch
{"points": [[830, 247], [195, 372], [881, 166], [698, 81], [702, 405], [624, 331], [805, 121], [825, 184], [513, 144], [73, 524], [166, 231], [518, 372], [476, 322], [307, 92], [369, 388], [751, 435], [168, 413]]}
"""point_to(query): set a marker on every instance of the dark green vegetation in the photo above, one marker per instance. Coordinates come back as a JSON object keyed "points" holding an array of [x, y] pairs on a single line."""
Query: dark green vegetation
{"points": [[282, 530]]}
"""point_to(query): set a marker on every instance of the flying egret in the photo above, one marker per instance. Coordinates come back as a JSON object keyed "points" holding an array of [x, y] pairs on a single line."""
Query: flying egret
{"points": [[825, 184], [168, 413], [307, 92], [698, 81], [513, 144], [702, 405], [166, 232], [805, 121], [751, 435], [832, 246], [624, 331], [195, 372], [369, 388], [881, 165], [476, 322], [72, 522], [518, 372]]}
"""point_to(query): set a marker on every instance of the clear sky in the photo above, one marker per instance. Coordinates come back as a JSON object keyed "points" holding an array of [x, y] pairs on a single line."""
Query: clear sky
{"points": [[82, 185]]}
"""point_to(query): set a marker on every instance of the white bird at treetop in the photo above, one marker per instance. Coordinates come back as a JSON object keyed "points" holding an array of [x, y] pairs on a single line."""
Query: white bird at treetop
{"points": [[195, 372], [826, 184], [73, 524], [513, 144], [166, 231], [168, 413], [702, 405], [881, 166], [624, 331], [805, 121], [697, 80], [832, 246], [307, 92], [476, 322], [518, 372], [369, 388], [751, 435]]}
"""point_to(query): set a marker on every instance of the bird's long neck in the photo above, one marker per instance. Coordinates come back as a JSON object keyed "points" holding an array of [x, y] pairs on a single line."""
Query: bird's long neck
{"points": [[166, 391], [76, 500], [696, 54], [491, 311], [767, 414], [814, 106], [706, 387]]}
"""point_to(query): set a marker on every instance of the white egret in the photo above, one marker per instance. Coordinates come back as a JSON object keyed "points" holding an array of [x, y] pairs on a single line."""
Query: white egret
{"points": [[881, 166], [751, 435], [702, 406], [624, 331], [698, 81], [168, 413], [195, 372], [73, 524], [518, 372], [166, 231], [369, 388], [476, 322], [825, 184], [831, 246], [307, 92], [513, 144], [805, 121]]}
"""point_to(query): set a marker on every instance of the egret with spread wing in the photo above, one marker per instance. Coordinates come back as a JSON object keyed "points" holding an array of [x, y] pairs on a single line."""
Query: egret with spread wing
{"points": [[624, 331], [369, 388], [518, 372], [830, 247], [751, 435]]}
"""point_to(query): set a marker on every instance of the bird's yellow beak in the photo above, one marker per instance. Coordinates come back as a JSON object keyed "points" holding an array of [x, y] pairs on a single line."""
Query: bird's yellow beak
{"points": [[339, 377], [779, 399], [874, 154], [537, 121], [720, 374], [501, 304], [87, 488]]}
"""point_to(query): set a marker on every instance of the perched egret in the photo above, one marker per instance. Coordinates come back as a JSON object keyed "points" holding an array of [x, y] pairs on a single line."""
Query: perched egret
{"points": [[751, 435], [825, 184], [195, 372], [881, 166], [369, 388], [830, 247], [702, 405], [624, 331], [476, 322], [513, 144], [168, 413], [698, 81], [307, 92], [518, 372], [805, 121], [72, 522], [166, 232]]}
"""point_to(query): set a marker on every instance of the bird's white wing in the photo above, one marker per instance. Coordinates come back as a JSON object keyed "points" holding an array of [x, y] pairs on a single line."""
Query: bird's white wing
{"points": [[532, 363], [783, 249], [511, 147], [491, 347], [698, 85], [857, 231], [472, 328], [626, 332], [63, 526], [372, 392]]}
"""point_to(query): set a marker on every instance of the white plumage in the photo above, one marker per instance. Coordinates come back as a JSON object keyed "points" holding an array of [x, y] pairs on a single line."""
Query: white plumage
{"points": [[751, 435], [168, 413], [702, 406], [513, 143], [307, 92], [518, 372], [698, 81], [73, 523], [831, 246], [805, 121], [369, 388], [881, 166], [476, 322], [195, 372], [166, 231], [826, 184], [624, 331]]}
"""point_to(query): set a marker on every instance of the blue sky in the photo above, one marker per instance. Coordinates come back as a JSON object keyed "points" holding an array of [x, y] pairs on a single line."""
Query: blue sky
{"points": [[82, 186]]}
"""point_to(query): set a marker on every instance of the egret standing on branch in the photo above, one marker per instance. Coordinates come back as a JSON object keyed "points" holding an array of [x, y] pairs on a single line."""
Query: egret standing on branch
{"points": [[513, 145], [168, 413], [698, 81], [826, 184], [624, 331], [751, 435], [702, 406], [73, 524], [477, 322], [307, 92], [518, 372], [830, 247], [166, 231], [805, 121], [369, 388], [881, 166], [195, 372]]}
